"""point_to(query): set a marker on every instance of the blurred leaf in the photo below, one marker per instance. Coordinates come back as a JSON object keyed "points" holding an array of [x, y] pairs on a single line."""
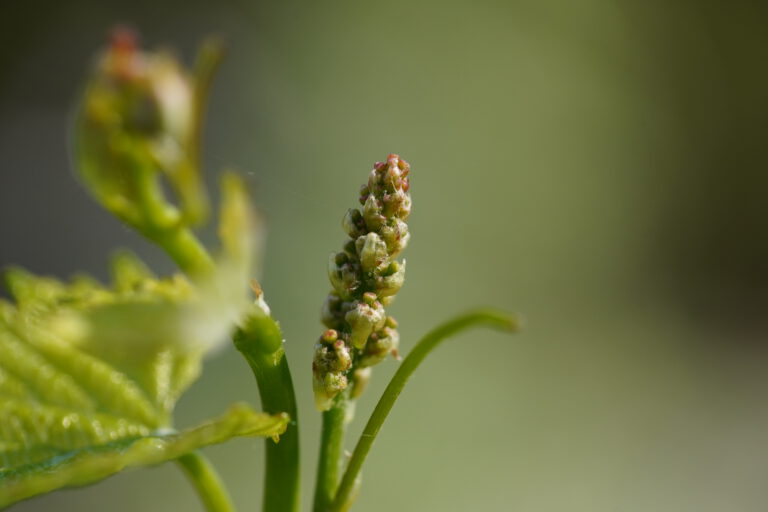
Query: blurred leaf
{"points": [[89, 374], [53, 448], [125, 350]]}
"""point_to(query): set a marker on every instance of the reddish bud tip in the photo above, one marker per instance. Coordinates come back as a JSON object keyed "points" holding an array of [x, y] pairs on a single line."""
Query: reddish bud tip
{"points": [[123, 39], [330, 336]]}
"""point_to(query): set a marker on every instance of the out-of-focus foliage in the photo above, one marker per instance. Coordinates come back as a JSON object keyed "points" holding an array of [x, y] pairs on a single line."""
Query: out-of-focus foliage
{"points": [[111, 451], [89, 376], [598, 164], [140, 119], [92, 330]]}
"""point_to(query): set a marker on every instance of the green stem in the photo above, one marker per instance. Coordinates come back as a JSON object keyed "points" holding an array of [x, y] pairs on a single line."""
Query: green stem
{"points": [[185, 249], [161, 224], [331, 450], [206, 481], [261, 343], [489, 318]]}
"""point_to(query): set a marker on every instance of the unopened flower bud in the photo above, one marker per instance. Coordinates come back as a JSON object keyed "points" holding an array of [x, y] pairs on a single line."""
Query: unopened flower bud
{"points": [[329, 336], [326, 387], [363, 319], [372, 213], [379, 345], [364, 193], [372, 251], [395, 234], [374, 181], [340, 258], [350, 249], [393, 179], [391, 282], [332, 357], [353, 223], [331, 361], [369, 298], [343, 359], [397, 204], [344, 277]]}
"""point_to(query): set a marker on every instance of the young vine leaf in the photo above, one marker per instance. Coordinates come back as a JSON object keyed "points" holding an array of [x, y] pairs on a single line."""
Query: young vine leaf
{"points": [[89, 375]]}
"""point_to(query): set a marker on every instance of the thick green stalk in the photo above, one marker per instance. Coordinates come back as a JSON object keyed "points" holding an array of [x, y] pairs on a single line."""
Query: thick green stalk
{"points": [[261, 343], [331, 451], [489, 318], [206, 481]]}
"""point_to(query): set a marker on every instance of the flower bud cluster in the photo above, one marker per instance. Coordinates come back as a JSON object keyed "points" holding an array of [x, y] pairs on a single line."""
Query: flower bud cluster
{"points": [[137, 123], [365, 278]]}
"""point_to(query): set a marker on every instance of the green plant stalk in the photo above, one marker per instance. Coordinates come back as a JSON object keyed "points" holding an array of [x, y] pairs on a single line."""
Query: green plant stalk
{"points": [[185, 249], [206, 481], [489, 318], [331, 451], [174, 237], [261, 343]]}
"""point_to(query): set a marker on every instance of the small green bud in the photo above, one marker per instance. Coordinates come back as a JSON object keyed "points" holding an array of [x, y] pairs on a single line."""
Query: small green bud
{"points": [[326, 387], [363, 319], [353, 223], [374, 180], [391, 282], [397, 204], [379, 345], [341, 258], [395, 234], [369, 298], [363, 194], [331, 361], [344, 277], [392, 179], [333, 356], [329, 336], [372, 213], [372, 251], [343, 359], [350, 249]]}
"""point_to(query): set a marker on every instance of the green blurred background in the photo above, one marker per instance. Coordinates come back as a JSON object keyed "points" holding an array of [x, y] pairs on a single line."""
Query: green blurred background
{"points": [[597, 165]]}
